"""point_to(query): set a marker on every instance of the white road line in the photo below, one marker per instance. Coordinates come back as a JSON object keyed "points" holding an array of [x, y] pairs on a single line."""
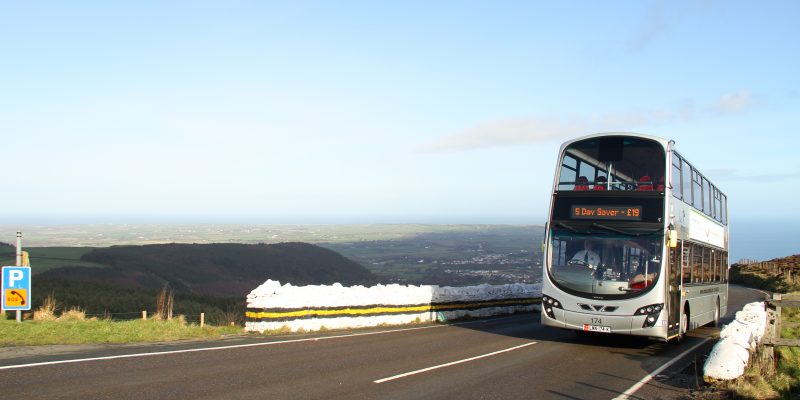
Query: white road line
{"points": [[419, 371], [763, 292], [237, 346], [626, 395]]}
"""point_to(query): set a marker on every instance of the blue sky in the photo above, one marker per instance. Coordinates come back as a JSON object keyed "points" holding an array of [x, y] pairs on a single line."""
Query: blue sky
{"points": [[362, 112]]}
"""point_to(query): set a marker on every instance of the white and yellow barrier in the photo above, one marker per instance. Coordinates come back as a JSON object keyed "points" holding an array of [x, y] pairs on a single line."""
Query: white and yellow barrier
{"points": [[273, 306]]}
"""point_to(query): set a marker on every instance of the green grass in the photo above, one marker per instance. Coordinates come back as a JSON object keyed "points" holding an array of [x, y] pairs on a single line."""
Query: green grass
{"points": [[789, 358], [33, 333]]}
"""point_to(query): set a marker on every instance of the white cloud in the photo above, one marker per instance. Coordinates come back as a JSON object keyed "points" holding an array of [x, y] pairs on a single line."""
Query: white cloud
{"points": [[522, 131], [732, 175], [507, 133], [660, 19], [656, 23], [734, 103]]}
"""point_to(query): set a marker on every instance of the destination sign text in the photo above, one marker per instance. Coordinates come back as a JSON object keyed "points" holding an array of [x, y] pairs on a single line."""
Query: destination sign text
{"points": [[626, 213]]}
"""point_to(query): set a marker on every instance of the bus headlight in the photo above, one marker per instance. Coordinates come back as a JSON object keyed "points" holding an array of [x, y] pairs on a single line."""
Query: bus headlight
{"points": [[652, 311], [548, 304]]}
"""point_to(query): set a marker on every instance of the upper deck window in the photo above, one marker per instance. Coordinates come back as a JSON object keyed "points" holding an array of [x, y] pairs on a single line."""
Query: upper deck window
{"points": [[613, 163], [697, 189], [677, 188]]}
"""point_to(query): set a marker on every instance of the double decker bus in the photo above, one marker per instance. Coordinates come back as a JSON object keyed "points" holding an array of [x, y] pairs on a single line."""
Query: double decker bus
{"points": [[636, 241]]}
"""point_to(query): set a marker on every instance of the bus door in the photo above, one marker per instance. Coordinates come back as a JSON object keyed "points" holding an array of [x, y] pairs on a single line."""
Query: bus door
{"points": [[674, 289]]}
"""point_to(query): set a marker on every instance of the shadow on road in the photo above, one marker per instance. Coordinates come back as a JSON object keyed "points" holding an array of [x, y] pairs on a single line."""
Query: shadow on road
{"points": [[528, 326], [641, 354]]}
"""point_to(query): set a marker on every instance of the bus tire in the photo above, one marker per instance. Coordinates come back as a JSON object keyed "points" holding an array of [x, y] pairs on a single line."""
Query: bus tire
{"points": [[684, 326]]}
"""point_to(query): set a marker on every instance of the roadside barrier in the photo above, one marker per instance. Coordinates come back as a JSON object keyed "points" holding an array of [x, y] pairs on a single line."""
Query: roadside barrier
{"points": [[272, 306]]}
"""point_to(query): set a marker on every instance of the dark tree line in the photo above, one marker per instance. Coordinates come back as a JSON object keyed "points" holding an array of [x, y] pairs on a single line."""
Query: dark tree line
{"points": [[102, 300], [185, 265]]}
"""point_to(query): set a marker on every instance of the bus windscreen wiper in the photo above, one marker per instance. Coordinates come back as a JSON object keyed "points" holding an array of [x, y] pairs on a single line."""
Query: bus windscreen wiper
{"points": [[620, 231], [569, 228]]}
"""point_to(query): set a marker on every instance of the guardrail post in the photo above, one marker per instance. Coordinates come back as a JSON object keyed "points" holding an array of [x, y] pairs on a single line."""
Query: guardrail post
{"points": [[772, 336], [144, 315], [202, 319], [767, 356], [777, 296]]}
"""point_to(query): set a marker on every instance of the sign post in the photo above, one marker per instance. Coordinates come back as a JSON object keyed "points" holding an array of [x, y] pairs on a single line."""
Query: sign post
{"points": [[16, 290]]}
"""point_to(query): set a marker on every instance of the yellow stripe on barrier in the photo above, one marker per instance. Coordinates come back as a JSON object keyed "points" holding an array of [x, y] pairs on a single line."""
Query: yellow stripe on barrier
{"points": [[482, 304], [345, 311]]}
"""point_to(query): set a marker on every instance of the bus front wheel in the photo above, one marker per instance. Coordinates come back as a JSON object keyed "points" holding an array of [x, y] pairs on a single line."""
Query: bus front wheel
{"points": [[684, 327]]}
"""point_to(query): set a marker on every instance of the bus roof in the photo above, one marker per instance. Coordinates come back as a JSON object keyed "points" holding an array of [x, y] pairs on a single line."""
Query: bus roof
{"points": [[660, 140]]}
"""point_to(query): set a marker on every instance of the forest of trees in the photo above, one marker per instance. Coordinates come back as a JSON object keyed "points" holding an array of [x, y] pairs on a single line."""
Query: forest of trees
{"points": [[221, 269], [210, 278]]}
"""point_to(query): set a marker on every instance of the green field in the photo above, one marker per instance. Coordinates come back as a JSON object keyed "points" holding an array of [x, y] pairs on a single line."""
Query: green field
{"points": [[45, 258]]}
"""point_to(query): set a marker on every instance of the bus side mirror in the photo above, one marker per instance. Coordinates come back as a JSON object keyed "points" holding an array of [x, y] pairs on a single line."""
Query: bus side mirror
{"points": [[544, 238], [672, 236]]}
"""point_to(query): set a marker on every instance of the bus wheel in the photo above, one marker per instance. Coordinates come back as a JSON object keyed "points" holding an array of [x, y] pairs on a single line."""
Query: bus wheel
{"points": [[684, 328], [716, 315]]}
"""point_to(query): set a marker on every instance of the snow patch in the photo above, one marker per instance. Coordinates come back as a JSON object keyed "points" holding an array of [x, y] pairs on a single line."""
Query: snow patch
{"points": [[738, 340]]}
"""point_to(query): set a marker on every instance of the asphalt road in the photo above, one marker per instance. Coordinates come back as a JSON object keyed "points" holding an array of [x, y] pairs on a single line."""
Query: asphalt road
{"points": [[500, 358]]}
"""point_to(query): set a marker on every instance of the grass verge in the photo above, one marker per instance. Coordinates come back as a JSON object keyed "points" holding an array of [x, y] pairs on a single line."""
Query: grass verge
{"points": [[74, 331]]}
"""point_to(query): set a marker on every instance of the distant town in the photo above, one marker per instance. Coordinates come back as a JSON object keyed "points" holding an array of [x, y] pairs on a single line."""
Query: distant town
{"points": [[494, 254]]}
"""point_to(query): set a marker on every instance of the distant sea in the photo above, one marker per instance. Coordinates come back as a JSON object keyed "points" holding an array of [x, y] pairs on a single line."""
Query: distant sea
{"points": [[763, 240]]}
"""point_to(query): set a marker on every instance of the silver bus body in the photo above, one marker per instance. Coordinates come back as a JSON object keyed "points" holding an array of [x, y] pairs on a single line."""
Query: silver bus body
{"points": [[685, 279]]}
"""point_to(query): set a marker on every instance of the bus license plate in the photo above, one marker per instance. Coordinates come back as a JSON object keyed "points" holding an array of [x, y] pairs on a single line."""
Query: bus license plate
{"points": [[596, 328]]}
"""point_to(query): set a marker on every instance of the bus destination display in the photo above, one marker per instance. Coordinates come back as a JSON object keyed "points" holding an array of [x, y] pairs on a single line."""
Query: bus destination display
{"points": [[624, 213]]}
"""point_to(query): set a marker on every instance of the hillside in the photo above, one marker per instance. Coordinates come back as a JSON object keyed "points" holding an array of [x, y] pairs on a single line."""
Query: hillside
{"points": [[221, 270], [791, 262], [780, 275]]}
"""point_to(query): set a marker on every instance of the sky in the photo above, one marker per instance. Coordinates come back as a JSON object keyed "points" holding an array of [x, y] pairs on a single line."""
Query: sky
{"points": [[385, 112]]}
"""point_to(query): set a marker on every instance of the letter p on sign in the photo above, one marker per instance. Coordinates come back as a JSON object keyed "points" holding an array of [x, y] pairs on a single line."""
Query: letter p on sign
{"points": [[14, 276]]}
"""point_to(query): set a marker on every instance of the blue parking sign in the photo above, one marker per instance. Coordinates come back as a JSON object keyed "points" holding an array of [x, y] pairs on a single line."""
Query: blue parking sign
{"points": [[16, 292]]}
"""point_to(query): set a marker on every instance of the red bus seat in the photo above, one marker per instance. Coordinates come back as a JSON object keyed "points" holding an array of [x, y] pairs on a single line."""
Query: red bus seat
{"points": [[582, 183], [645, 183], [601, 183]]}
